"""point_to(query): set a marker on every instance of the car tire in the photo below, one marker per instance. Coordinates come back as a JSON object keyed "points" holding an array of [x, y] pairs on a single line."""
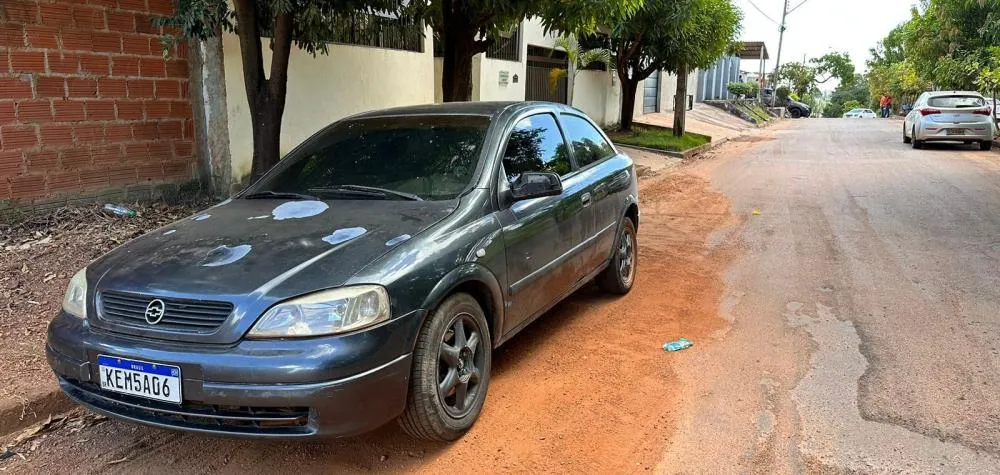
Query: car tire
{"points": [[906, 138], [435, 414], [795, 113], [619, 276], [986, 145], [917, 144]]}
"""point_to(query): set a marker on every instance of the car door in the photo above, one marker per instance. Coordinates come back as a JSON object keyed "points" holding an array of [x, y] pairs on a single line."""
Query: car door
{"points": [[542, 236], [603, 179]]}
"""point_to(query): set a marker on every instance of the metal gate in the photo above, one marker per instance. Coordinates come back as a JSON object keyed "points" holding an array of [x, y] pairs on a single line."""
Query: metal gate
{"points": [[651, 93], [538, 87]]}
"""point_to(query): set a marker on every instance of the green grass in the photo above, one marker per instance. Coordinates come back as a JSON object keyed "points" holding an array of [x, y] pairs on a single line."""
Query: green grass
{"points": [[659, 138]]}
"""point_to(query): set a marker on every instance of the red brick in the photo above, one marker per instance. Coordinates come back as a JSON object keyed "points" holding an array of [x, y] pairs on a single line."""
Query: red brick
{"points": [[134, 5], [157, 110], [42, 161], [64, 182], [89, 133], [88, 17], [27, 61], [119, 21], [100, 110], [76, 158], [145, 131], [71, 111], [129, 110], [78, 40], [56, 14], [152, 67], [177, 169], [11, 35], [189, 129], [136, 44], [94, 179], [42, 36], [10, 163], [185, 90], [46, 87], [180, 109], [141, 88], [29, 186], [101, 3], [117, 133], [7, 114], [107, 154], [112, 88], [18, 137], [79, 87], [183, 149], [34, 111], [177, 68], [170, 129], [160, 151], [19, 11], [136, 152], [68, 64], [56, 135], [4, 63], [161, 7], [149, 171], [122, 175], [144, 24], [125, 66], [95, 64], [108, 42], [167, 89]]}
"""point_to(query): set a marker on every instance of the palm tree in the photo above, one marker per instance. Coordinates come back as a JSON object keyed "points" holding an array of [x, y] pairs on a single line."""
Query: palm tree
{"points": [[577, 60]]}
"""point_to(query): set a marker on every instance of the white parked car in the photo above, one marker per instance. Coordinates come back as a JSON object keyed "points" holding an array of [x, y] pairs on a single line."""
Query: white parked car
{"points": [[955, 116], [860, 114]]}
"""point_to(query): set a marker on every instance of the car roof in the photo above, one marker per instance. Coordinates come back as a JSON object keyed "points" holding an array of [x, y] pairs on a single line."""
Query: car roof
{"points": [[953, 93], [490, 109]]}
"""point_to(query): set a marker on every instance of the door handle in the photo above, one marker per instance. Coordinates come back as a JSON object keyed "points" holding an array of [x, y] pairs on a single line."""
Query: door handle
{"points": [[585, 198]]}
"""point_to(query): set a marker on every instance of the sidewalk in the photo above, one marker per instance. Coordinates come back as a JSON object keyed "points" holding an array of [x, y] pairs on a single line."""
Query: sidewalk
{"points": [[703, 119]]}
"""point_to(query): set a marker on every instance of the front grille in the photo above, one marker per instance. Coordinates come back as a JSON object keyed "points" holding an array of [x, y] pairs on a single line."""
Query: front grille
{"points": [[288, 421], [197, 316]]}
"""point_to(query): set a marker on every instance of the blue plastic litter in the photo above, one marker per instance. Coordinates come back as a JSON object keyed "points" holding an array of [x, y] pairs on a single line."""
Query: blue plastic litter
{"points": [[677, 345]]}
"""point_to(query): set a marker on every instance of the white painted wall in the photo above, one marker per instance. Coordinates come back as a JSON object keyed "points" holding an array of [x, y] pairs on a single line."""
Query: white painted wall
{"points": [[534, 34], [321, 90], [486, 79]]}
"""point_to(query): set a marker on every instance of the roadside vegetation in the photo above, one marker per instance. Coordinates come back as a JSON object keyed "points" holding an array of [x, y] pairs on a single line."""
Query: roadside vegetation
{"points": [[659, 138]]}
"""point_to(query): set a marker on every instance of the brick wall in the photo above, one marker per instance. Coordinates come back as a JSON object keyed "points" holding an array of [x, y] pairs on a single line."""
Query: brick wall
{"points": [[88, 101]]}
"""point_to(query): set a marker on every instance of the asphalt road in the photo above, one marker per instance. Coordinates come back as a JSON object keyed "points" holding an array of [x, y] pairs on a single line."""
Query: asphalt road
{"points": [[843, 293]]}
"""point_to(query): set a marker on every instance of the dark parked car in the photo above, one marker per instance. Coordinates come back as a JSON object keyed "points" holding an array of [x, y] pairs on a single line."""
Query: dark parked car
{"points": [[367, 277], [796, 109]]}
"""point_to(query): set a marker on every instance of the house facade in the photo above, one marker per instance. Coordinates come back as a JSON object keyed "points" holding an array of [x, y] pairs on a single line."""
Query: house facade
{"points": [[91, 108]]}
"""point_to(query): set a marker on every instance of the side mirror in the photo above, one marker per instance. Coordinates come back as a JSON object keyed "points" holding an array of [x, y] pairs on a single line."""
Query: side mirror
{"points": [[535, 185]]}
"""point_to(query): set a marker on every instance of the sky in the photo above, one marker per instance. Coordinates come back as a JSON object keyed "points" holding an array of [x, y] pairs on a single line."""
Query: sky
{"points": [[818, 27]]}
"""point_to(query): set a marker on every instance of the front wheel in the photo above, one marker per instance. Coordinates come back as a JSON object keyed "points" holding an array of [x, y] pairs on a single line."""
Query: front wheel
{"points": [[619, 276], [451, 371], [795, 113], [986, 145]]}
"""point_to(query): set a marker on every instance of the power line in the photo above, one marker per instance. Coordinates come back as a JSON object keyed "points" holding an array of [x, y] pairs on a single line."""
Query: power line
{"points": [[797, 6], [762, 12]]}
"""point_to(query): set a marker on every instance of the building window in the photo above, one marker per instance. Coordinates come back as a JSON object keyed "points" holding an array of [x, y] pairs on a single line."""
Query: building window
{"points": [[507, 46], [378, 30]]}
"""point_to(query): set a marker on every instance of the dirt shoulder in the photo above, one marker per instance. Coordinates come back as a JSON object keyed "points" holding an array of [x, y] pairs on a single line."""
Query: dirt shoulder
{"points": [[38, 256]]}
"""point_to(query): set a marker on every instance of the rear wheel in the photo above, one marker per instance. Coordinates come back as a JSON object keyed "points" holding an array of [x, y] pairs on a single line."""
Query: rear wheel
{"points": [[619, 276], [986, 145], [795, 113], [451, 371], [906, 138], [918, 144]]}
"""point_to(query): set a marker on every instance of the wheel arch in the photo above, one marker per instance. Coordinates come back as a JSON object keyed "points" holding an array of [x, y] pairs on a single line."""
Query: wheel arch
{"points": [[477, 281]]}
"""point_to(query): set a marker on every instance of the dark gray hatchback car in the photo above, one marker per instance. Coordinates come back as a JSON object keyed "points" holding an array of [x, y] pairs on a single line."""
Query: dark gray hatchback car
{"points": [[367, 277]]}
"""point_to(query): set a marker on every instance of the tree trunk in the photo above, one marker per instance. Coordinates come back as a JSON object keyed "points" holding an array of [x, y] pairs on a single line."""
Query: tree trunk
{"points": [[629, 87], [266, 138], [456, 71], [680, 101]]}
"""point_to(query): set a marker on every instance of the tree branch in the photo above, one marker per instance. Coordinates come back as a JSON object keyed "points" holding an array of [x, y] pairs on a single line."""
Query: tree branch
{"points": [[278, 80], [249, 33]]}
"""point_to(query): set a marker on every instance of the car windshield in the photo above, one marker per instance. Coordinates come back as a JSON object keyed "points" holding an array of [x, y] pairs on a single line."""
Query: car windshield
{"points": [[429, 157], [956, 102], [855, 111]]}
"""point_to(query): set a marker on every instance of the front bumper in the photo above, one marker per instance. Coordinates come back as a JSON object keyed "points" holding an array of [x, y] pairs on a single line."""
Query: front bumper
{"points": [[305, 402]]}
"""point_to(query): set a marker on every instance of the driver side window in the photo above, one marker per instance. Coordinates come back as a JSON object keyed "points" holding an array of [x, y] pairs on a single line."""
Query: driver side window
{"points": [[536, 145]]}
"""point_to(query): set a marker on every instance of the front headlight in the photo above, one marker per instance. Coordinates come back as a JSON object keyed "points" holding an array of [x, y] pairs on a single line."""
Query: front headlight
{"points": [[75, 301], [324, 313]]}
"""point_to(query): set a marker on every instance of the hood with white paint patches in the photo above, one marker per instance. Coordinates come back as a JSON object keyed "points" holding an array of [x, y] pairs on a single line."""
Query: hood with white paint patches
{"points": [[256, 252]]}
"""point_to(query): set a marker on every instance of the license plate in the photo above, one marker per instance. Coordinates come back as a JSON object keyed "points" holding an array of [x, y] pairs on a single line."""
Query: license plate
{"points": [[956, 131], [140, 378]]}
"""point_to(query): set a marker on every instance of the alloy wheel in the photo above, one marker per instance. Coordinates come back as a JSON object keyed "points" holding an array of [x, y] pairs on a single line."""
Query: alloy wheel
{"points": [[626, 257], [460, 364]]}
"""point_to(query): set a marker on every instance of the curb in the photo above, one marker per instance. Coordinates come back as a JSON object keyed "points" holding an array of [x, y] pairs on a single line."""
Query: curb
{"points": [[686, 154], [21, 414]]}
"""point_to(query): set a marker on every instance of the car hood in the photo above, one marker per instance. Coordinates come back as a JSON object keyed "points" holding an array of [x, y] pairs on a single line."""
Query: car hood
{"points": [[270, 248]]}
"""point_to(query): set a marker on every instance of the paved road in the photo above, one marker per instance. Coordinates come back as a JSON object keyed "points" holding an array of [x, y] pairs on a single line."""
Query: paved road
{"points": [[850, 326]]}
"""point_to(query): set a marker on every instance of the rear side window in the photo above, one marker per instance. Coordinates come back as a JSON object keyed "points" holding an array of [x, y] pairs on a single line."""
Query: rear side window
{"points": [[956, 102], [536, 145], [588, 144]]}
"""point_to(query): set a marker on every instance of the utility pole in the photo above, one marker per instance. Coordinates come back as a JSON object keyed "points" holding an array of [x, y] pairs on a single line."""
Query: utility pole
{"points": [[777, 60]]}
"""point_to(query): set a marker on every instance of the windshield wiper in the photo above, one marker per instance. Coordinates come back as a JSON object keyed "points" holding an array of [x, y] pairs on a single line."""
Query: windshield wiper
{"points": [[367, 190], [278, 195]]}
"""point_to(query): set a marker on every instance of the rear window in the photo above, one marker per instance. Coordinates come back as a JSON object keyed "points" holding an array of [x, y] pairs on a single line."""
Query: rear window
{"points": [[956, 102]]}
